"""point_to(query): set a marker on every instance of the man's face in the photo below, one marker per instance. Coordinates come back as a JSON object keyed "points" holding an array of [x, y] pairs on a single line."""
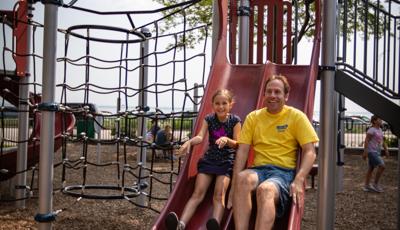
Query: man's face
{"points": [[275, 97]]}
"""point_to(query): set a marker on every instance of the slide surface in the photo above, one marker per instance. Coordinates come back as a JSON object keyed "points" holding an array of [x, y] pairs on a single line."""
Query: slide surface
{"points": [[8, 159], [247, 84]]}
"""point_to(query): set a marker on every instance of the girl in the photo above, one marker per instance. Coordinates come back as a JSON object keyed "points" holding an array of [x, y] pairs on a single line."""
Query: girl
{"points": [[372, 150], [223, 129]]}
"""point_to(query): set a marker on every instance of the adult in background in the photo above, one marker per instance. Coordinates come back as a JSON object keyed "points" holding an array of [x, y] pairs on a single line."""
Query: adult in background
{"points": [[275, 132]]}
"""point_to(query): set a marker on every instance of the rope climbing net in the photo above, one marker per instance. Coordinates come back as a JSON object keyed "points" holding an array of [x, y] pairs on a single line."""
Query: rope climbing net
{"points": [[146, 78]]}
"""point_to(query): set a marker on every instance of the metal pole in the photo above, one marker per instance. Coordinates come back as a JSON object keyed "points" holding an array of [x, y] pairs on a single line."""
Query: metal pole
{"points": [[23, 126], [97, 128], [341, 146], [326, 170], [23, 135], [215, 28], [47, 108], [142, 121], [195, 104], [244, 14], [339, 168]]}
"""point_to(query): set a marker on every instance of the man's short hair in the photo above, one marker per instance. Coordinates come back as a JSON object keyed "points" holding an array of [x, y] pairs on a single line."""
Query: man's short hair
{"points": [[282, 78]]}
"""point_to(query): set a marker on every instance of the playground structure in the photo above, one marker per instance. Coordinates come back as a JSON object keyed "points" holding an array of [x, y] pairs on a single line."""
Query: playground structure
{"points": [[137, 55], [221, 75]]}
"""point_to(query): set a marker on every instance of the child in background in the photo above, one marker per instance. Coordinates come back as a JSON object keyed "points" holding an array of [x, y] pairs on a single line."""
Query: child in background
{"points": [[223, 129], [372, 151], [151, 134], [163, 139]]}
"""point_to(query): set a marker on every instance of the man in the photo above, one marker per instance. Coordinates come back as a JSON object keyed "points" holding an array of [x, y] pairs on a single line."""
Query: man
{"points": [[275, 132]]}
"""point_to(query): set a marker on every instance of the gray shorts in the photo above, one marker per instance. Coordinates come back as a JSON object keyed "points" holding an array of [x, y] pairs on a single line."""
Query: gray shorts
{"points": [[374, 160]]}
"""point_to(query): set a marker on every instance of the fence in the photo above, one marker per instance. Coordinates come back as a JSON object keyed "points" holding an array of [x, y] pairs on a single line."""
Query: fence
{"points": [[107, 125], [354, 131], [9, 131]]}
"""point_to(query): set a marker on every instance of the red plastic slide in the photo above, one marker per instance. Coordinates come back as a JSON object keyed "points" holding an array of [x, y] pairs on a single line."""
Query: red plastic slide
{"points": [[247, 84], [8, 159]]}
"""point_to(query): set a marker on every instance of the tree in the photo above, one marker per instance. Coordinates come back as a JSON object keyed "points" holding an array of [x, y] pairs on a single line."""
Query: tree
{"points": [[202, 14], [198, 15]]}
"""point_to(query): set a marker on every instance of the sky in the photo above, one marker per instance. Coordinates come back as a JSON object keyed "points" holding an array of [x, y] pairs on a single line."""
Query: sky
{"points": [[106, 78], [110, 77]]}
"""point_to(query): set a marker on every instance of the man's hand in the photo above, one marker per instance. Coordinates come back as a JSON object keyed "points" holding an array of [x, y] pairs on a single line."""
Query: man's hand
{"points": [[297, 192]]}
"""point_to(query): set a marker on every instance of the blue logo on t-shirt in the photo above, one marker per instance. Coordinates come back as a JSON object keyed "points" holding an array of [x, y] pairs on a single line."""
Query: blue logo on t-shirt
{"points": [[281, 128]]}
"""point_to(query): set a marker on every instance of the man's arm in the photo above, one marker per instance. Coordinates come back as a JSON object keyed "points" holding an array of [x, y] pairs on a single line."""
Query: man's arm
{"points": [[307, 161]]}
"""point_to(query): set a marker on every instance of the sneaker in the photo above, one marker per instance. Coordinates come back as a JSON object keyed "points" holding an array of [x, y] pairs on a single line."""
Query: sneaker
{"points": [[377, 188], [171, 221], [181, 226], [368, 188], [212, 224]]}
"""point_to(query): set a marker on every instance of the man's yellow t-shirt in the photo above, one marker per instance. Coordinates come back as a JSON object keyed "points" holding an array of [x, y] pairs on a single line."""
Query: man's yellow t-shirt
{"points": [[276, 137]]}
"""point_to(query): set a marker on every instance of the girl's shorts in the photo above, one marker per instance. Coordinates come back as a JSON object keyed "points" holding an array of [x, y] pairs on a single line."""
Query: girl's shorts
{"points": [[374, 160]]}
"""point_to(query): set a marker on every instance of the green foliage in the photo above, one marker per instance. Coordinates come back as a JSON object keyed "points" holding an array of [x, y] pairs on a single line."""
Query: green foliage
{"points": [[392, 142], [362, 17], [185, 123], [127, 126], [201, 14], [130, 124], [197, 15], [9, 123]]}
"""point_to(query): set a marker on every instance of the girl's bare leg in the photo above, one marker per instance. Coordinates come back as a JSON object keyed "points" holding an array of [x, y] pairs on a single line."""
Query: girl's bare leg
{"points": [[201, 186], [221, 185], [368, 176], [378, 174]]}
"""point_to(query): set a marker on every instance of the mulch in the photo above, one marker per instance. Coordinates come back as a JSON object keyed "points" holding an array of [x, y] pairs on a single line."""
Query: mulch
{"points": [[354, 208]]}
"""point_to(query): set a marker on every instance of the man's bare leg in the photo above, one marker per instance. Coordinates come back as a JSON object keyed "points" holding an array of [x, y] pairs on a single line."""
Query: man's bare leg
{"points": [[245, 183], [267, 198]]}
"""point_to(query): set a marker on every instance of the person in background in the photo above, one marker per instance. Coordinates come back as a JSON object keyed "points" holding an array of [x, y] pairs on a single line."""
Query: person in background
{"points": [[163, 139], [372, 150], [151, 134], [276, 133], [223, 130]]}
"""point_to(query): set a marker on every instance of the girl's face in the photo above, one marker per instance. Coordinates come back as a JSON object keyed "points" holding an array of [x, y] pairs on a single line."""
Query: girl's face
{"points": [[221, 106], [377, 122]]}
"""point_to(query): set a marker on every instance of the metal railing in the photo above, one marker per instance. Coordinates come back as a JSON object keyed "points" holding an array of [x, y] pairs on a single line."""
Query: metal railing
{"points": [[354, 130], [369, 43], [9, 131]]}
